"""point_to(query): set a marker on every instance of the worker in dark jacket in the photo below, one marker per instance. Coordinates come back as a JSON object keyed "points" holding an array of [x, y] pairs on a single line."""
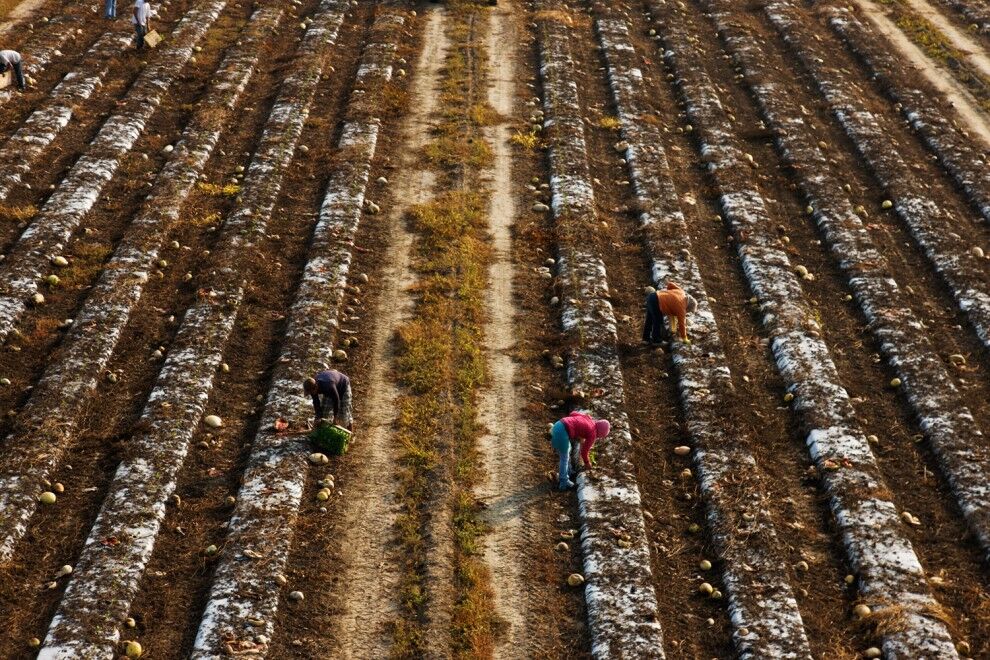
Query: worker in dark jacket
{"points": [[331, 392], [11, 59]]}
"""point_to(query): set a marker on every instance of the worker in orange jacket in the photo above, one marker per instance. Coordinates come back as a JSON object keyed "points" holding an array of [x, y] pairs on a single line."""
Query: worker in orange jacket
{"points": [[673, 303]]}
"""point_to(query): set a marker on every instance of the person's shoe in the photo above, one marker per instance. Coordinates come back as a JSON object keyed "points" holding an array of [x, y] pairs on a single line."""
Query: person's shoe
{"points": [[568, 486]]}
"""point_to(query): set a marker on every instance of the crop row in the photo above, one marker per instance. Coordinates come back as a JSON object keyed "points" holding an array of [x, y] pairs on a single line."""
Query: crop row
{"points": [[763, 609], [889, 573], [145, 480], [946, 421], [950, 255], [22, 272], [25, 148], [961, 156], [135, 505], [36, 447], [621, 601], [245, 593]]}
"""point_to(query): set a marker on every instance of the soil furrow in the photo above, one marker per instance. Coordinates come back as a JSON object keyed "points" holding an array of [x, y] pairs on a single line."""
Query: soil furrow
{"points": [[118, 291], [867, 517], [811, 554], [963, 157], [76, 31], [41, 50], [156, 454], [244, 596], [966, 274], [882, 301], [621, 601], [344, 549], [761, 600], [955, 436], [177, 581], [26, 148], [100, 436], [29, 259], [23, 450]]}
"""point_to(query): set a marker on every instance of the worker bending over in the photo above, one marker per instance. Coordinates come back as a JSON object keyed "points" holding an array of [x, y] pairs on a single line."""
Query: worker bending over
{"points": [[331, 393], [11, 59], [672, 303], [574, 434]]}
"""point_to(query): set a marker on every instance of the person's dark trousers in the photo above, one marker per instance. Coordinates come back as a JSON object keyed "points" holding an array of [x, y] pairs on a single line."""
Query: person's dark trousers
{"points": [[110, 8], [653, 325], [19, 75], [141, 30]]}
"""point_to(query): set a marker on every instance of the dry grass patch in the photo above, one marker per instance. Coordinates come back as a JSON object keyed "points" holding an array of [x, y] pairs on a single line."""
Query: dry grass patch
{"points": [[204, 220], [17, 213], [560, 16], [217, 190], [441, 367], [610, 123], [529, 140], [86, 263], [42, 330], [940, 48], [454, 151]]}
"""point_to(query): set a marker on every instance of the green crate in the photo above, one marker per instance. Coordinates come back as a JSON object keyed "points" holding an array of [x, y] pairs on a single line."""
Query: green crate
{"points": [[331, 440]]}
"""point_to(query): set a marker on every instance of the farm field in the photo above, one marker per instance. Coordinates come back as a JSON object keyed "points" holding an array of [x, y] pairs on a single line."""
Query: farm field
{"points": [[463, 206]]}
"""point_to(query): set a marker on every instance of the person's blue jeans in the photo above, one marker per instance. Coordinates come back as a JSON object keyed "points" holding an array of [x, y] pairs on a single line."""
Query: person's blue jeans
{"points": [[140, 30], [561, 442], [110, 8]]}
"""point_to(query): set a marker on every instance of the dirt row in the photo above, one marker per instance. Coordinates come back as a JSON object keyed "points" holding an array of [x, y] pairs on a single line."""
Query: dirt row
{"points": [[670, 154], [853, 323], [170, 598], [134, 366]]}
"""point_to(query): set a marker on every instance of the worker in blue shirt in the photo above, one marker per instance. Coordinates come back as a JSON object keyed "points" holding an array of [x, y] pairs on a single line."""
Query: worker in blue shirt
{"points": [[331, 393]]}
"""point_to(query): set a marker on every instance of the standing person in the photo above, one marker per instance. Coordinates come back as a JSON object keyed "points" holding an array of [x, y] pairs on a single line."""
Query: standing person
{"points": [[576, 433], [141, 20], [110, 9], [11, 59], [331, 392]]}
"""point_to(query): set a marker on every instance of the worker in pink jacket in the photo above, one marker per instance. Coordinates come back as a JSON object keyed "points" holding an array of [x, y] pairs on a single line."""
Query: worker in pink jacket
{"points": [[578, 431]]}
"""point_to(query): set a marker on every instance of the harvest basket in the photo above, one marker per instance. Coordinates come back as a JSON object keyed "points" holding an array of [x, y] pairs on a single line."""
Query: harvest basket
{"points": [[330, 439]]}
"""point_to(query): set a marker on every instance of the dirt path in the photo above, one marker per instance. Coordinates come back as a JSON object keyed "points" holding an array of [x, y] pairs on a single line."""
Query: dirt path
{"points": [[507, 488], [973, 52], [976, 121], [371, 575]]}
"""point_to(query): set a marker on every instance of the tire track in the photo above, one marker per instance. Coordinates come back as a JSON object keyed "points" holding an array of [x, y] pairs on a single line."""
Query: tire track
{"points": [[370, 569], [507, 489]]}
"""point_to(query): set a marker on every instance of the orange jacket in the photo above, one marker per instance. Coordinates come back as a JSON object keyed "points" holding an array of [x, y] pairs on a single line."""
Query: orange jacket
{"points": [[673, 302]]}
